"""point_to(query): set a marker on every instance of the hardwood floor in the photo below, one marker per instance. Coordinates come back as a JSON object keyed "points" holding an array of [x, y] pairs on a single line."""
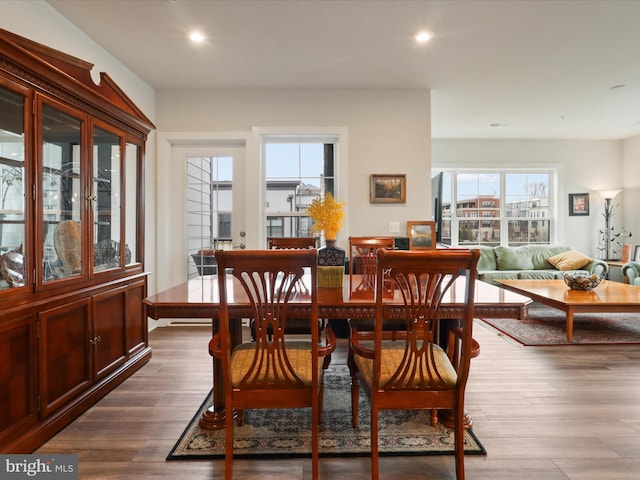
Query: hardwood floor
{"points": [[543, 413]]}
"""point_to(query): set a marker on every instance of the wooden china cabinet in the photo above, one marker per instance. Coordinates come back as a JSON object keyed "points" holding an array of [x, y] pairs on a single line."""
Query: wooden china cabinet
{"points": [[72, 323]]}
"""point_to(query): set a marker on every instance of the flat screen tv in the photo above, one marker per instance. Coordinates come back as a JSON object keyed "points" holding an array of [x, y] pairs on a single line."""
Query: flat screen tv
{"points": [[436, 203]]}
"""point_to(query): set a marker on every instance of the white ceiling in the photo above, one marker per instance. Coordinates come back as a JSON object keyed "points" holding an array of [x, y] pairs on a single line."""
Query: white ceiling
{"points": [[539, 68]]}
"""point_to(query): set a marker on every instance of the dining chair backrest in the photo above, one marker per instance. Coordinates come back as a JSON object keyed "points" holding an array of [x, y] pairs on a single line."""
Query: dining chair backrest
{"points": [[280, 243], [291, 243], [362, 259]]}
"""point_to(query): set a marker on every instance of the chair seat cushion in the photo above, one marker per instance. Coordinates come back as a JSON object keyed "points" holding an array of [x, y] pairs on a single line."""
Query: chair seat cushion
{"points": [[392, 355], [298, 353]]}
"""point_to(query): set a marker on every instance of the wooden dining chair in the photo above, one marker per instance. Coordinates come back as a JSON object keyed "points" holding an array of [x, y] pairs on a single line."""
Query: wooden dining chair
{"points": [[408, 369], [362, 259], [292, 243], [274, 371], [279, 243]]}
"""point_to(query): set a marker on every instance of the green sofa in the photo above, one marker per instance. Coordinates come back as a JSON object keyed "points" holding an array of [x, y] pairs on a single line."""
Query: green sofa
{"points": [[530, 262], [631, 270]]}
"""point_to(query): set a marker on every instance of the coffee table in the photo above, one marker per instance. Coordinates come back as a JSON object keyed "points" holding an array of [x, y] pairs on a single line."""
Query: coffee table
{"points": [[609, 296]]}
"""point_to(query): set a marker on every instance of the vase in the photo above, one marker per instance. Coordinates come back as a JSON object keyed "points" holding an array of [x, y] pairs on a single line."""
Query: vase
{"points": [[330, 265], [330, 255]]}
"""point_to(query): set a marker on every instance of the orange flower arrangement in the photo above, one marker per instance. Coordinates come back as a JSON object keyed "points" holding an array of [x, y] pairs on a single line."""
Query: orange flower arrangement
{"points": [[328, 216]]}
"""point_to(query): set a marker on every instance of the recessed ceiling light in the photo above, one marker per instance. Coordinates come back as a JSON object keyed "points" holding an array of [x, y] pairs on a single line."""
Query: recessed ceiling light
{"points": [[197, 37], [424, 36]]}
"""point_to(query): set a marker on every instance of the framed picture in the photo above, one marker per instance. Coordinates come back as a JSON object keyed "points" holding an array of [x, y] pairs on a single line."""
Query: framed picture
{"points": [[578, 204], [636, 254], [388, 188], [422, 235]]}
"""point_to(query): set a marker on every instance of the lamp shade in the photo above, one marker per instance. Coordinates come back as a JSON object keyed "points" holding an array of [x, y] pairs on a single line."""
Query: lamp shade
{"points": [[610, 194]]}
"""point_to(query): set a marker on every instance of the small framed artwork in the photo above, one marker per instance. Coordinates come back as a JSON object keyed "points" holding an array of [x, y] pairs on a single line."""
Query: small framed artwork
{"points": [[578, 204], [388, 188], [636, 254], [422, 235]]}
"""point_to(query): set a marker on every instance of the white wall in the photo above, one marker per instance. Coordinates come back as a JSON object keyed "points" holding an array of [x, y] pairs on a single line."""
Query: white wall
{"points": [[38, 21], [388, 132], [631, 184], [584, 166]]}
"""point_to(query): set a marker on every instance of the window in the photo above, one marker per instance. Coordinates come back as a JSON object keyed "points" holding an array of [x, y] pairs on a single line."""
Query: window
{"points": [[515, 207], [298, 170], [209, 190]]}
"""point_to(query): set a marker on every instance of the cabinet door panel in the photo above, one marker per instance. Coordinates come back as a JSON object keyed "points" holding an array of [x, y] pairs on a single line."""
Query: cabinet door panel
{"points": [[66, 361], [62, 192], [109, 330], [106, 195], [13, 175], [17, 373], [136, 320]]}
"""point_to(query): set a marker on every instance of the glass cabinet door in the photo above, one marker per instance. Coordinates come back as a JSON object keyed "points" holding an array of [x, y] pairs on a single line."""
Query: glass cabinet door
{"points": [[106, 200], [131, 178], [12, 189], [62, 196]]}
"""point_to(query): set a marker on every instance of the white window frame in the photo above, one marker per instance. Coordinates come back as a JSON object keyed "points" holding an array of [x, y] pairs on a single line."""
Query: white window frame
{"points": [[504, 220], [335, 135]]}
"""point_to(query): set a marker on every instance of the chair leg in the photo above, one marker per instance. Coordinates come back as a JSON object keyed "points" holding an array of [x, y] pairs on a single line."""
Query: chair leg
{"points": [[434, 417], [228, 447], [321, 400], [240, 417], [374, 443], [314, 447], [355, 400], [326, 362], [459, 442], [355, 389]]}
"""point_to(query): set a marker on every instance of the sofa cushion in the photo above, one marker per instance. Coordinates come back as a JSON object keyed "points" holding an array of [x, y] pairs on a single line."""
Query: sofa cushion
{"points": [[570, 260], [513, 258], [540, 253], [490, 276], [539, 274], [487, 260]]}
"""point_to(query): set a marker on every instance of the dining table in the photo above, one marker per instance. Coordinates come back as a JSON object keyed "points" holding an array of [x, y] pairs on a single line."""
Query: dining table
{"points": [[199, 298]]}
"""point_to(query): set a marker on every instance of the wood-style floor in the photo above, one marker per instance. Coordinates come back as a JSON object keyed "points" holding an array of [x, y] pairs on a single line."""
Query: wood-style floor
{"points": [[543, 413]]}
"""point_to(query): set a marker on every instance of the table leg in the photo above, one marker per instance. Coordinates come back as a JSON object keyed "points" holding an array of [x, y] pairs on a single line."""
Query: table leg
{"points": [[569, 324], [213, 418], [447, 417]]}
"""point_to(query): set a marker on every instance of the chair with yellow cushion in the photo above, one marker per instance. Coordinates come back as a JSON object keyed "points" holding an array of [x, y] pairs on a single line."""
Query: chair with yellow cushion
{"points": [[408, 369], [274, 371]]}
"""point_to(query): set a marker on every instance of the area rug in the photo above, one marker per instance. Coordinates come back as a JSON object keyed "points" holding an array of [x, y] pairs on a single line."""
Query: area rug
{"points": [[286, 433], [548, 326]]}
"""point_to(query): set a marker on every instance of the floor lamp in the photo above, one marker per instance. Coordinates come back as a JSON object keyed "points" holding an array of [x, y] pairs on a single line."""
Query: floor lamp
{"points": [[609, 209]]}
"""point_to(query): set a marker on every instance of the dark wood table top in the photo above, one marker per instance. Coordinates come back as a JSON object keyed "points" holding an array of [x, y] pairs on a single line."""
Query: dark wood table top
{"points": [[199, 298]]}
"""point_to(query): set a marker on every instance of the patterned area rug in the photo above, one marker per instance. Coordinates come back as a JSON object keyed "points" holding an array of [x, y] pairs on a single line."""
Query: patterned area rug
{"points": [[287, 432], [547, 326]]}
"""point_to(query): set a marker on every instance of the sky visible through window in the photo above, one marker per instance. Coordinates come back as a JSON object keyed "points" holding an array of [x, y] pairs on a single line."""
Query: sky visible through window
{"points": [[517, 185], [295, 160]]}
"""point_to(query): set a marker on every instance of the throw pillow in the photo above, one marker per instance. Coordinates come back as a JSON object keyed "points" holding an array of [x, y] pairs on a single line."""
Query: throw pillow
{"points": [[487, 259], [513, 258], [570, 260]]}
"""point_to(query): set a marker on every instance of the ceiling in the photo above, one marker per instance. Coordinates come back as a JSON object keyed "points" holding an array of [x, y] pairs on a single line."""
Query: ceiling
{"points": [[562, 69]]}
